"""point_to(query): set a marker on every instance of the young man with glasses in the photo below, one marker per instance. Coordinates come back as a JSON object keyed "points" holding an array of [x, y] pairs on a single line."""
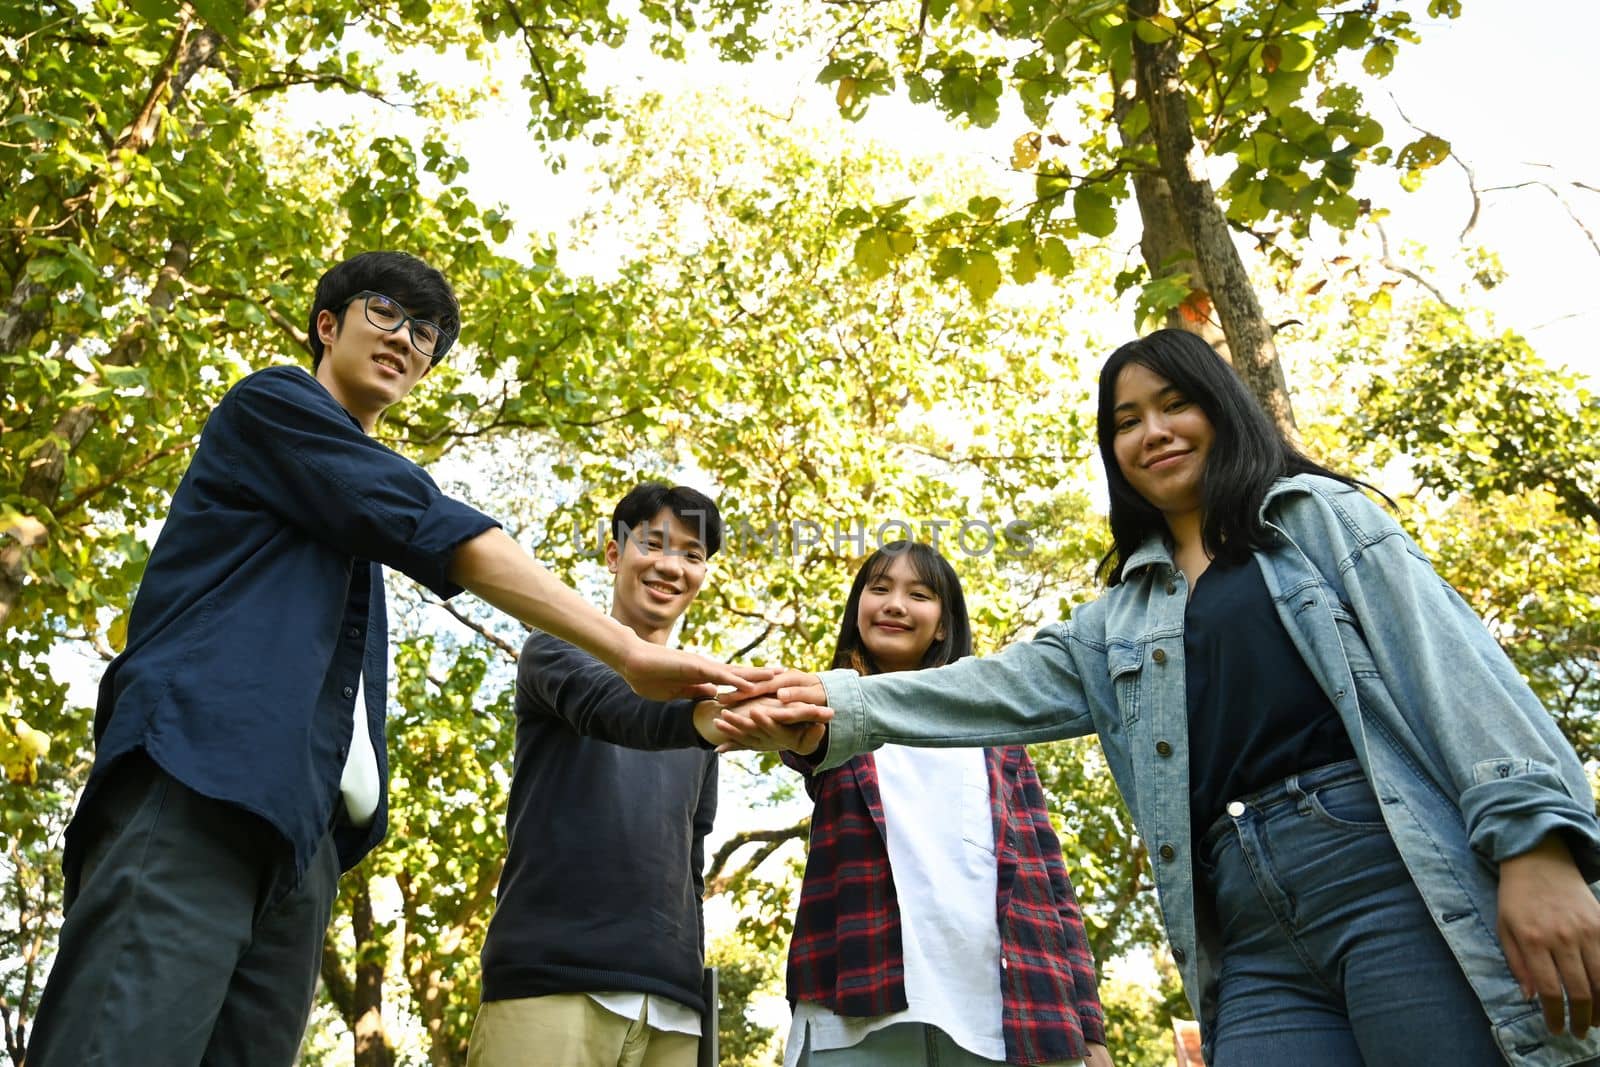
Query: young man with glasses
{"points": [[239, 761]]}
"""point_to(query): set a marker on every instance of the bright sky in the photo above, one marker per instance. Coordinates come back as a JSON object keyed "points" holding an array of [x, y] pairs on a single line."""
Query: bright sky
{"points": [[1501, 85]]}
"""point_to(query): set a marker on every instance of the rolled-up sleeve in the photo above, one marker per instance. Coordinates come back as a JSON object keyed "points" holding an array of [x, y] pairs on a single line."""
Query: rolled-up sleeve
{"points": [[296, 452]]}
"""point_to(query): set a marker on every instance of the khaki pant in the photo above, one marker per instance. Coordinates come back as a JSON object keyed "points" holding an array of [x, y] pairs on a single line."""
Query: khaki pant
{"points": [[571, 1030]]}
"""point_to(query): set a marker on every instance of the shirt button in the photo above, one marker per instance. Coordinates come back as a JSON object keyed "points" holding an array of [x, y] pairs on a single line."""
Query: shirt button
{"points": [[1235, 808], [1172, 587], [1178, 955], [1163, 748], [1002, 963], [1159, 655], [1168, 853], [355, 631], [343, 751], [349, 691]]}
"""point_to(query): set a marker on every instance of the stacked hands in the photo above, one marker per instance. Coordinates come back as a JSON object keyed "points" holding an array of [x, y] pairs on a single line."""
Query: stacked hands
{"points": [[770, 710]]}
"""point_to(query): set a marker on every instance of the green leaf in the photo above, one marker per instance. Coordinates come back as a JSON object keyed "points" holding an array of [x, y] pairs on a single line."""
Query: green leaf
{"points": [[1379, 59], [1025, 262], [1354, 30], [1155, 29], [872, 253], [220, 15], [1056, 257], [1092, 208], [1426, 151], [981, 276], [1295, 54]]}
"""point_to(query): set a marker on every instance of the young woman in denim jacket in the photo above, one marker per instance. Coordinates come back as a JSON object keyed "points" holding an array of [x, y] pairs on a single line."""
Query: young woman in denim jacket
{"points": [[1412, 889]]}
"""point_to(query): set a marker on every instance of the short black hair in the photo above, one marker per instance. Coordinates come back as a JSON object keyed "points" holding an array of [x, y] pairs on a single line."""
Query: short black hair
{"points": [[419, 288], [1248, 451], [690, 506], [933, 571]]}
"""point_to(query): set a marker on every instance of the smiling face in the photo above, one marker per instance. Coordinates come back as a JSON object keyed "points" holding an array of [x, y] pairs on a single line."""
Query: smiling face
{"points": [[899, 616], [1162, 440], [659, 569], [366, 369]]}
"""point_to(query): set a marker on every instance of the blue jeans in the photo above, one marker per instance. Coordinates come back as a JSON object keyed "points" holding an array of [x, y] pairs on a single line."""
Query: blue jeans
{"points": [[1330, 956]]}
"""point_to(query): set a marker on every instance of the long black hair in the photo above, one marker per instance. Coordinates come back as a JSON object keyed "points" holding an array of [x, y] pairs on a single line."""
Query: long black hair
{"points": [[933, 571], [1248, 451]]}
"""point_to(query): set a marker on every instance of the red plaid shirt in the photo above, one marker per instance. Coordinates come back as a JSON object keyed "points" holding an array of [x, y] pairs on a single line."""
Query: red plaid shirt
{"points": [[846, 953]]}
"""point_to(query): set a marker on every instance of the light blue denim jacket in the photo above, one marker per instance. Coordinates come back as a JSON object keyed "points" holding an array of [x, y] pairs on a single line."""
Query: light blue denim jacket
{"points": [[1469, 768]]}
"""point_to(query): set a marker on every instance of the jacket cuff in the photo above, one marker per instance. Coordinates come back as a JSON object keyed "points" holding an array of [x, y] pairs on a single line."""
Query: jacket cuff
{"points": [[845, 739], [1516, 803]]}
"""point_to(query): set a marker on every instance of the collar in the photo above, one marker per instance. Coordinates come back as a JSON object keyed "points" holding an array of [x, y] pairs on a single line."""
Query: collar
{"points": [[1155, 549]]}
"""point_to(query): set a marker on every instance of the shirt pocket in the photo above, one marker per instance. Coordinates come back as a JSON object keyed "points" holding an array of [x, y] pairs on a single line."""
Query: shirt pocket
{"points": [[1123, 663], [977, 813]]}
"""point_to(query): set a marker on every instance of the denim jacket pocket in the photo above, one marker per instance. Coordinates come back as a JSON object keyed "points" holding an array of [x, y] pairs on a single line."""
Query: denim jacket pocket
{"points": [[1123, 663]]}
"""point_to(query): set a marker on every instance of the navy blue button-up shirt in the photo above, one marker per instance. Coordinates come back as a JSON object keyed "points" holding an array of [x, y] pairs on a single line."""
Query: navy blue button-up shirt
{"points": [[262, 607]]}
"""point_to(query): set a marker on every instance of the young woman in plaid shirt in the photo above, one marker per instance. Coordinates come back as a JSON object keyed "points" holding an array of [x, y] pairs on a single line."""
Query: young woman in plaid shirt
{"points": [[936, 922]]}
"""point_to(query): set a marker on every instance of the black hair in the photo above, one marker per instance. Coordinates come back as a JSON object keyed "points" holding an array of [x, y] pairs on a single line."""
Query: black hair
{"points": [[933, 571], [1248, 451], [418, 288], [690, 506]]}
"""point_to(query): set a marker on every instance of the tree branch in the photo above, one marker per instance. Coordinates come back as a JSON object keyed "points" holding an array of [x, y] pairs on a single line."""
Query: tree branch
{"points": [[771, 840], [1399, 268], [476, 627]]}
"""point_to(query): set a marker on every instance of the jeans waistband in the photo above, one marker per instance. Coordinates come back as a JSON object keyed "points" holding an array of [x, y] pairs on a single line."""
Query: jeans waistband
{"points": [[1291, 790]]}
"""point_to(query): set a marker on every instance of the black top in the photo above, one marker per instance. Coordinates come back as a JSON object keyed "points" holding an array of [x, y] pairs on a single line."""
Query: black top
{"points": [[605, 866], [261, 607], [1256, 713]]}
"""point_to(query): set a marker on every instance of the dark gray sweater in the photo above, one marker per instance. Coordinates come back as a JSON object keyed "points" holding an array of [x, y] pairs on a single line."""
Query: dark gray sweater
{"points": [[604, 871]]}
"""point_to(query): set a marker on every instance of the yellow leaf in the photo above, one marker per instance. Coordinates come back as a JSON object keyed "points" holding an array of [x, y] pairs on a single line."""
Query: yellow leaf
{"points": [[1025, 151], [117, 635], [846, 92]]}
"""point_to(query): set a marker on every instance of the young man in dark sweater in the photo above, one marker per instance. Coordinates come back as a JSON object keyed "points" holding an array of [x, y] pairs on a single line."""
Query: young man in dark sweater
{"points": [[595, 951], [239, 762]]}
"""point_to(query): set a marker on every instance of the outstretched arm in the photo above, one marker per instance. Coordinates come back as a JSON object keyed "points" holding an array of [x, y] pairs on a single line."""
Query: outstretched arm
{"points": [[496, 568]]}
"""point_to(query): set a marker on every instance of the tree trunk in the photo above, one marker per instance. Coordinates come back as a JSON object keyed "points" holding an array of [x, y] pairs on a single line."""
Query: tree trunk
{"points": [[1200, 216], [427, 965], [371, 1040], [1163, 244]]}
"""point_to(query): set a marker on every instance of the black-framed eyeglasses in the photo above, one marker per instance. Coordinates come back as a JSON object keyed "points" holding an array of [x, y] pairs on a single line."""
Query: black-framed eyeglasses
{"points": [[428, 338]]}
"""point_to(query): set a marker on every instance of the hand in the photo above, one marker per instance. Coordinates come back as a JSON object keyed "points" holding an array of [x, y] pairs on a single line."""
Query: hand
{"points": [[660, 673], [780, 679], [1550, 929], [1098, 1056], [768, 725], [752, 736]]}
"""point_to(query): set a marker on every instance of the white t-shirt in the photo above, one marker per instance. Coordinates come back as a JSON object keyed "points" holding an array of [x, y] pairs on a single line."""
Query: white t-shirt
{"points": [[358, 785], [941, 853], [664, 1013]]}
